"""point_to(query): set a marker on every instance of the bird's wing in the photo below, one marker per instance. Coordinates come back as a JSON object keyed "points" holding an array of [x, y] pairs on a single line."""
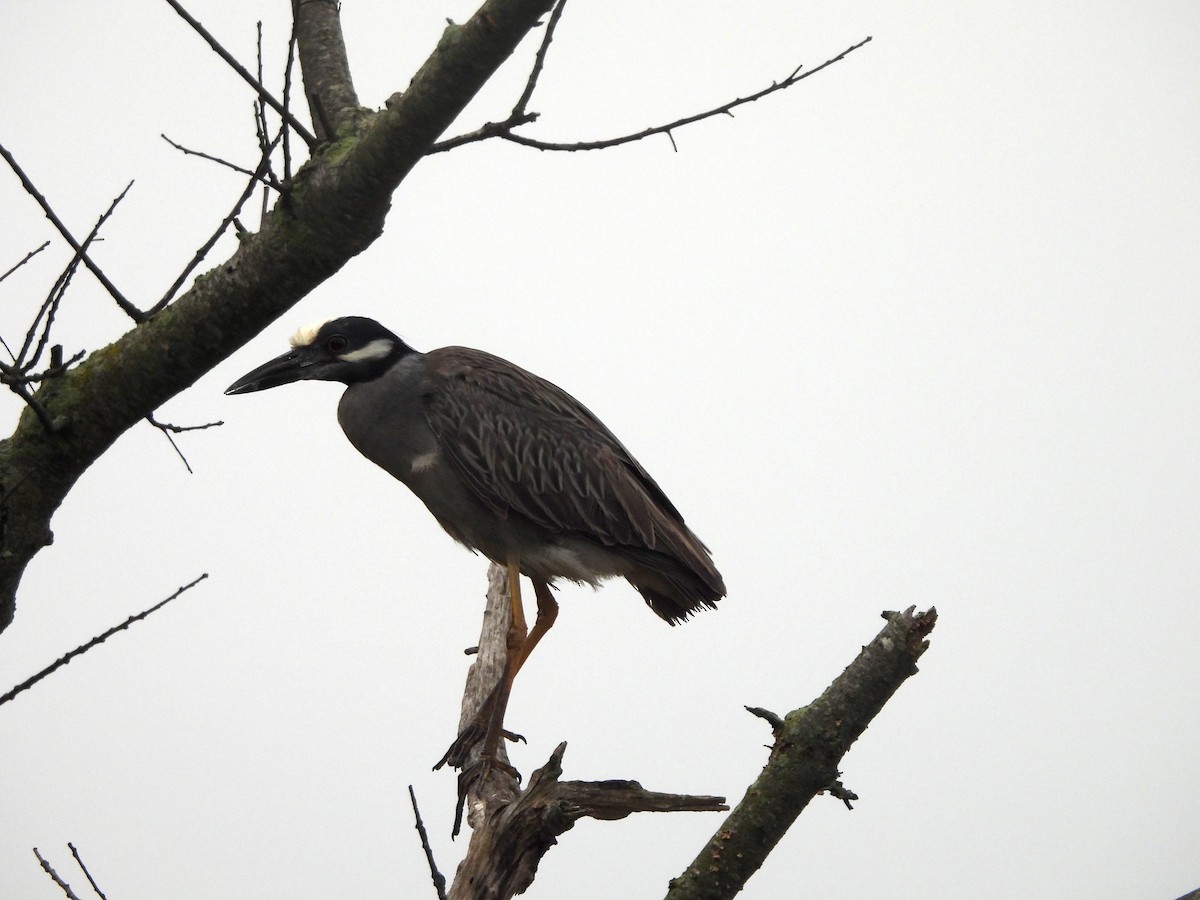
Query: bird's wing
{"points": [[525, 445]]}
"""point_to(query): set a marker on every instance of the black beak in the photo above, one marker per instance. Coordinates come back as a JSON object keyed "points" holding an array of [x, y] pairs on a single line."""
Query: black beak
{"points": [[292, 366]]}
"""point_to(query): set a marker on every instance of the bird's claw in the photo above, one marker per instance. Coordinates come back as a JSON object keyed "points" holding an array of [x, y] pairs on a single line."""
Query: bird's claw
{"points": [[457, 753]]}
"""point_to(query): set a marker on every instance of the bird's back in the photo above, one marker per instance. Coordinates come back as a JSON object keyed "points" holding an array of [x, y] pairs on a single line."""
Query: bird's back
{"points": [[529, 450]]}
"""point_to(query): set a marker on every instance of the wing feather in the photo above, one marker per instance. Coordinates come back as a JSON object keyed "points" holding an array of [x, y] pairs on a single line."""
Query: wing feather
{"points": [[524, 445]]}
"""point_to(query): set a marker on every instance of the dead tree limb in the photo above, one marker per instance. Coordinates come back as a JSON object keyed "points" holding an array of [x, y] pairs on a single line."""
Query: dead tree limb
{"points": [[512, 828], [809, 745]]}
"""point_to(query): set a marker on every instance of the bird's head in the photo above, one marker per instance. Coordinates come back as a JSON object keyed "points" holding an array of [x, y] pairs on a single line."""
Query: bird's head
{"points": [[350, 349]]}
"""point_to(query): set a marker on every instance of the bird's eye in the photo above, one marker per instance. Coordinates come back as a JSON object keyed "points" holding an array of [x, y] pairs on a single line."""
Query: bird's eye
{"points": [[337, 344]]}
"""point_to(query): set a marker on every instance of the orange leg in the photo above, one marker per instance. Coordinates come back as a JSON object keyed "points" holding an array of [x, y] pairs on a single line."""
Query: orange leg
{"points": [[547, 613], [489, 723], [516, 640]]}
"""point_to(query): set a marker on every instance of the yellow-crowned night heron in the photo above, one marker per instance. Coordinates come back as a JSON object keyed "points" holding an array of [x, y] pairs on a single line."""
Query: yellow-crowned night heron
{"points": [[510, 465]]}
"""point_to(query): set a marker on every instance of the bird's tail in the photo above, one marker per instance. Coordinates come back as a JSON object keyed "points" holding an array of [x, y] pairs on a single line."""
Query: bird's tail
{"points": [[673, 590]]}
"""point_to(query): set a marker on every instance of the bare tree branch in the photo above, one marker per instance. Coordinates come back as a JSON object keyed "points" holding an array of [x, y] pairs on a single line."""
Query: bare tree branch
{"points": [[84, 868], [99, 639], [28, 256], [267, 145], [809, 745], [256, 177], [332, 101], [132, 311], [187, 151], [480, 782], [44, 319], [539, 61], [49, 870], [508, 844], [168, 430], [505, 129], [241, 70], [439, 880], [19, 376], [288, 69]]}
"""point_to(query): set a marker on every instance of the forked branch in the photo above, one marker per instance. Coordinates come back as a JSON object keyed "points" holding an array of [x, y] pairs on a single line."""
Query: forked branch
{"points": [[506, 130]]}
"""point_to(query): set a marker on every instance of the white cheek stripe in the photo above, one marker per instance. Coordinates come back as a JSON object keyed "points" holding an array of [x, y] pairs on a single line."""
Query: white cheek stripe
{"points": [[377, 349]]}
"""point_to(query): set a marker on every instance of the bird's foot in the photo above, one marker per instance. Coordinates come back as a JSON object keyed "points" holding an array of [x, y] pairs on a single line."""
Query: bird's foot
{"points": [[458, 754], [483, 775]]}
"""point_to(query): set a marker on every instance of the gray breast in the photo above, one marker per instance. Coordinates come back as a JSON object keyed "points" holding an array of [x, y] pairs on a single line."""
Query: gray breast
{"points": [[385, 419]]}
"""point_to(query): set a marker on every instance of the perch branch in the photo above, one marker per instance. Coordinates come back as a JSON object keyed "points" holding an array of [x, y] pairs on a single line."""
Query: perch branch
{"points": [[512, 829]]}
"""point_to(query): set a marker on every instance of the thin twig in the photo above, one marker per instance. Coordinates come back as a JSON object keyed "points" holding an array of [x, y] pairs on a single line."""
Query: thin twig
{"points": [[180, 429], [246, 76], [841, 792], [200, 254], [50, 306], [773, 719], [15, 375], [167, 429], [99, 639], [483, 132], [48, 309], [504, 130], [20, 375], [91, 880], [130, 310], [28, 256], [287, 99], [539, 61], [223, 162], [49, 870], [439, 880]]}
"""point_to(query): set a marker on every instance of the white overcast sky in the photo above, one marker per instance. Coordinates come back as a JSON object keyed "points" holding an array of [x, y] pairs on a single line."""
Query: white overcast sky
{"points": [[921, 331]]}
